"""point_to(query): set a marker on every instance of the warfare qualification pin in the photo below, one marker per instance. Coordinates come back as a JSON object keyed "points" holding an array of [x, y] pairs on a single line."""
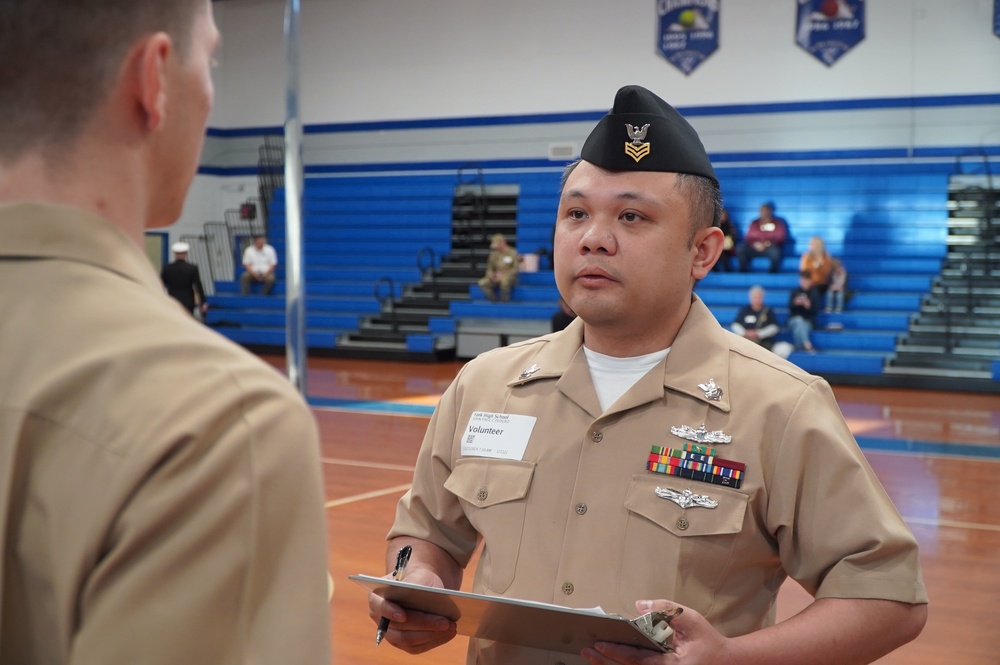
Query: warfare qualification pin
{"points": [[686, 499], [701, 435]]}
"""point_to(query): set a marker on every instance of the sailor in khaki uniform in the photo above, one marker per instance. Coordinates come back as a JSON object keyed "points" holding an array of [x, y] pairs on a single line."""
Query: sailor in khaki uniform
{"points": [[161, 499], [647, 458]]}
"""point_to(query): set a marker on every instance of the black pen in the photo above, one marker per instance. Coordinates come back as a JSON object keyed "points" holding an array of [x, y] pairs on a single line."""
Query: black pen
{"points": [[397, 574]]}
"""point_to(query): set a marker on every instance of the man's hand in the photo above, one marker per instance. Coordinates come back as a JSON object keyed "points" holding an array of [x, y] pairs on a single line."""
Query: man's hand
{"points": [[413, 632], [695, 642]]}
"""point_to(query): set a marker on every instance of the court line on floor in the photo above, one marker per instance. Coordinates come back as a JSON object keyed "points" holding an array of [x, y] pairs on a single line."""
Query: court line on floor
{"points": [[930, 521], [368, 465], [367, 495], [372, 406]]}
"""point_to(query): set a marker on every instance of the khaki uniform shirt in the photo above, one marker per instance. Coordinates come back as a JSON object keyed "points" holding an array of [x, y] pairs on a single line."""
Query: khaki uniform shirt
{"points": [[576, 521], [160, 489], [503, 263]]}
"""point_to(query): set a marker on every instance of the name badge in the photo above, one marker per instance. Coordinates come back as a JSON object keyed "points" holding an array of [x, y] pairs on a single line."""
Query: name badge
{"points": [[498, 435]]}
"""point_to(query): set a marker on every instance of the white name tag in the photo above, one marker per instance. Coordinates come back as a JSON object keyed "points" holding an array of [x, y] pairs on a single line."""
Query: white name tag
{"points": [[499, 435]]}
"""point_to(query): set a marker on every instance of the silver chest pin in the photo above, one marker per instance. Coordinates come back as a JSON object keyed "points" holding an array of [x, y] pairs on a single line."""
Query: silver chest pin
{"points": [[525, 373], [712, 391], [701, 435], [686, 499]]}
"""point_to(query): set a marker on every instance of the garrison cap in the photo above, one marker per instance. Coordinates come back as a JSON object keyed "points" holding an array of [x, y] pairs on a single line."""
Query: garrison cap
{"points": [[644, 133]]}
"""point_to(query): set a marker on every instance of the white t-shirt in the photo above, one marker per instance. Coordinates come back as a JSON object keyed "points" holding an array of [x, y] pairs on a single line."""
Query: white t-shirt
{"points": [[260, 260], [614, 376]]}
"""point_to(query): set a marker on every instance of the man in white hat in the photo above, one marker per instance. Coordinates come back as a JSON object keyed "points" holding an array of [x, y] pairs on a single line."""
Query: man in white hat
{"points": [[183, 281]]}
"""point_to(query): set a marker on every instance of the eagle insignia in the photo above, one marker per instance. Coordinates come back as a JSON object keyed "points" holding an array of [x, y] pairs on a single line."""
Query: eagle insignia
{"points": [[636, 149]]}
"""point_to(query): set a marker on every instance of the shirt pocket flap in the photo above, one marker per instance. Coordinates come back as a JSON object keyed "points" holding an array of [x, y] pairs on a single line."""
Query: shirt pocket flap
{"points": [[725, 518], [486, 482]]}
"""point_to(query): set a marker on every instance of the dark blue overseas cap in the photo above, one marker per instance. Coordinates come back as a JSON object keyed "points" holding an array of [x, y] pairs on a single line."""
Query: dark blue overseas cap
{"points": [[644, 133]]}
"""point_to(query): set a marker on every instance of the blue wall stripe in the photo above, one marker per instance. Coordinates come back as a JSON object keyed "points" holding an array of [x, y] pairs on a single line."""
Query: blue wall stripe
{"points": [[719, 159], [585, 116]]}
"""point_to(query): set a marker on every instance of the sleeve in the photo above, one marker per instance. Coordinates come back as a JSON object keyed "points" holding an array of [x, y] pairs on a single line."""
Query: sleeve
{"points": [[221, 543], [771, 327], [838, 533], [780, 233], [428, 511], [196, 285]]}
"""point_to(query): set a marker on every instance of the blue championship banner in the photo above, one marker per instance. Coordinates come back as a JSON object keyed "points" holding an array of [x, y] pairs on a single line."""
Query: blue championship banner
{"points": [[829, 28], [687, 31]]}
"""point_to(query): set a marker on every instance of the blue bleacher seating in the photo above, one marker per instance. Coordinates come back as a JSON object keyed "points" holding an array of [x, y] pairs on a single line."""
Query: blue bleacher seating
{"points": [[889, 230]]}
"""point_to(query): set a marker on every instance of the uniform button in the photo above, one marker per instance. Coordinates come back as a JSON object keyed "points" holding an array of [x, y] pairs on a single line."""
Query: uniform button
{"points": [[581, 509], [596, 436], [683, 524], [482, 494], [567, 588]]}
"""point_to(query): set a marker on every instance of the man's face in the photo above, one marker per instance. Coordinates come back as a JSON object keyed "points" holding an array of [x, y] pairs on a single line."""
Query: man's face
{"points": [[622, 256], [190, 95], [258, 242], [756, 299], [765, 212]]}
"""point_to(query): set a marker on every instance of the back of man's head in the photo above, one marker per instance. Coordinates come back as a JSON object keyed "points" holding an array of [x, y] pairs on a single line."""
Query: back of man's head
{"points": [[59, 60]]}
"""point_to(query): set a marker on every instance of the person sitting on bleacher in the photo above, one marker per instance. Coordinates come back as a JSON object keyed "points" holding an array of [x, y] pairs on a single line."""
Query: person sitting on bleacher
{"points": [[730, 239], [818, 263], [259, 260], [756, 321], [803, 305], [501, 269], [765, 237], [838, 287]]}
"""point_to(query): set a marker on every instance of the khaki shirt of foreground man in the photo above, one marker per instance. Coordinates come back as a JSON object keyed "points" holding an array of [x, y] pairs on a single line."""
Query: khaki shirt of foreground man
{"points": [[160, 500], [160, 496]]}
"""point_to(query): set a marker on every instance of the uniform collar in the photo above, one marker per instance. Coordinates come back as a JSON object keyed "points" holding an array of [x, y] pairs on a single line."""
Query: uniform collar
{"points": [[41, 230], [700, 353]]}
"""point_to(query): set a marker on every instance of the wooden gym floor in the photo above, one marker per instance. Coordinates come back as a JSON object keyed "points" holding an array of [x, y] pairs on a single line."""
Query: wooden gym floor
{"points": [[938, 455]]}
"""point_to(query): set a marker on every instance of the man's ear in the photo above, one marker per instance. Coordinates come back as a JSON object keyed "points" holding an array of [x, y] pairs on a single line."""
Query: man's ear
{"points": [[151, 57], [708, 243]]}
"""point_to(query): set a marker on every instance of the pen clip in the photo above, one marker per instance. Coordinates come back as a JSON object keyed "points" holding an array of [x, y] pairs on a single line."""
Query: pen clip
{"points": [[402, 557]]}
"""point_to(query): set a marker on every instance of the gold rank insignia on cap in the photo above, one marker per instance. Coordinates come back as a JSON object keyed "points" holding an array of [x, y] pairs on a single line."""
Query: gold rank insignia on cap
{"points": [[637, 149]]}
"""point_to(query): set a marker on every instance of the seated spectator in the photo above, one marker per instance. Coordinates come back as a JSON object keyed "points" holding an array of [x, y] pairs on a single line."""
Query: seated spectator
{"points": [[731, 233], [838, 287], [818, 263], [259, 260], [756, 321], [501, 269], [563, 317], [803, 305], [765, 237]]}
